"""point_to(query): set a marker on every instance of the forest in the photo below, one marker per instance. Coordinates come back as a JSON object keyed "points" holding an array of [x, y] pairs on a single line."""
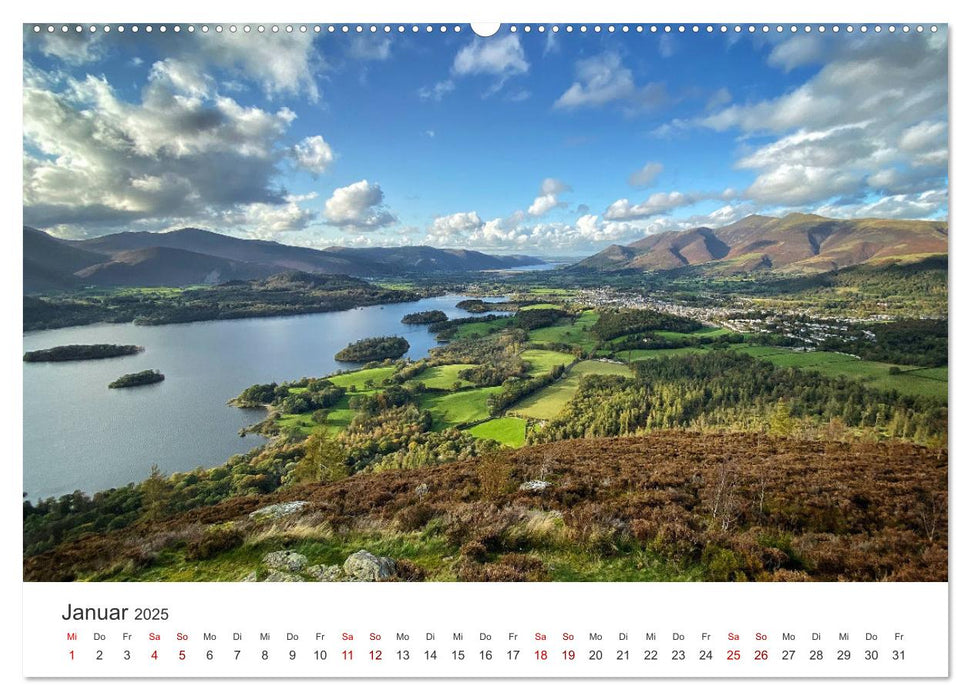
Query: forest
{"points": [[67, 353], [614, 324], [424, 317], [727, 390], [284, 294], [148, 376], [371, 349]]}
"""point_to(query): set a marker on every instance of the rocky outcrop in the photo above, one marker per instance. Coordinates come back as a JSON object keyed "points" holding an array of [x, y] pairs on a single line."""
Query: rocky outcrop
{"points": [[323, 572], [364, 566], [287, 565], [279, 510], [285, 560]]}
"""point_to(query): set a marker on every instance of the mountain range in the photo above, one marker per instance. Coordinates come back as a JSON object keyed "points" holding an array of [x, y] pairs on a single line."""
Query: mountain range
{"points": [[792, 243], [194, 256]]}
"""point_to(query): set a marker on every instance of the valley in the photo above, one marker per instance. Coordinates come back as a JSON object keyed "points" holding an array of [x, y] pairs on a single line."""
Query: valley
{"points": [[548, 397]]}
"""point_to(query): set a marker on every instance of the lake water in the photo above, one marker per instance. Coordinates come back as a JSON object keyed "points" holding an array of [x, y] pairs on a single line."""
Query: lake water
{"points": [[79, 434]]}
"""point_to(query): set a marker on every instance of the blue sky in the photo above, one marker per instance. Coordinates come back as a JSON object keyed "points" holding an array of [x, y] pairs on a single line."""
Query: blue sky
{"points": [[537, 142]]}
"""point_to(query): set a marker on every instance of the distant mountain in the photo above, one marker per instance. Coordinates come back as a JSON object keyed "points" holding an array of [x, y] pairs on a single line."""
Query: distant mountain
{"points": [[428, 259], [793, 243], [217, 245], [49, 262], [155, 267], [195, 256]]}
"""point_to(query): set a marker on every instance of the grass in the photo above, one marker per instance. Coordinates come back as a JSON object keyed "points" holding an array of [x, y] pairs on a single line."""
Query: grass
{"points": [[481, 328], [542, 361], [301, 422], [429, 551], [442, 377], [638, 355], [707, 332], [549, 401], [458, 408], [636, 565], [575, 332], [357, 378], [540, 306], [937, 373], [911, 381], [319, 548], [508, 430], [551, 291]]}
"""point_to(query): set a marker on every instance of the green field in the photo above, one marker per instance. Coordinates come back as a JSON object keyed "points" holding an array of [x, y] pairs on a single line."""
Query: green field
{"points": [[575, 333], [638, 355], [551, 292], [706, 332], [912, 381], [542, 361], [442, 377], [937, 373], [509, 431], [481, 328], [549, 401], [545, 305], [449, 410], [338, 418], [357, 378]]}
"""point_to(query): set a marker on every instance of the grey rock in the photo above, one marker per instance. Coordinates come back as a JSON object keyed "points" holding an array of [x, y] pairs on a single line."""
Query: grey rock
{"points": [[534, 485], [322, 572], [250, 577], [364, 566], [281, 576], [279, 510], [285, 560]]}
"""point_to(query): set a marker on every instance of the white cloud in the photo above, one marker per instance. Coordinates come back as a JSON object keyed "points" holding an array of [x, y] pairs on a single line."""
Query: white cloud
{"points": [[281, 63], [500, 57], [718, 98], [72, 48], [358, 207], [370, 48], [871, 121], [798, 51], [454, 227], [604, 79], [657, 203], [797, 184], [645, 176], [179, 153], [468, 229], [313, 154], [924, 136], [548, 198], [437, 91], [184, 78], [267, 221], [925, 205], [869, 80]]}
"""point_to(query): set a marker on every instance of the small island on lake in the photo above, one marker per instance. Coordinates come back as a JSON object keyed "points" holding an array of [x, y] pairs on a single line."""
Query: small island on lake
{"points": [[148, 376], [422, 317], [67, 353], [373, 349], [478, 306]]}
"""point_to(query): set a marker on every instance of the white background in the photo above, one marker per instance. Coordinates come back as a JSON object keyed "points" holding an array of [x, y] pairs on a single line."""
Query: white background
{"points": [[381, 11]]}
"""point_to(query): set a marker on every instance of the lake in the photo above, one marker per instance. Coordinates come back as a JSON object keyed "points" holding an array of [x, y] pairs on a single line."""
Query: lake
{"points": [[79, 434]]}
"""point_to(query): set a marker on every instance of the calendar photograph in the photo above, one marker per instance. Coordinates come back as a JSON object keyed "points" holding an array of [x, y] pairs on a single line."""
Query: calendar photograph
{"points": [[332, 304]]}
